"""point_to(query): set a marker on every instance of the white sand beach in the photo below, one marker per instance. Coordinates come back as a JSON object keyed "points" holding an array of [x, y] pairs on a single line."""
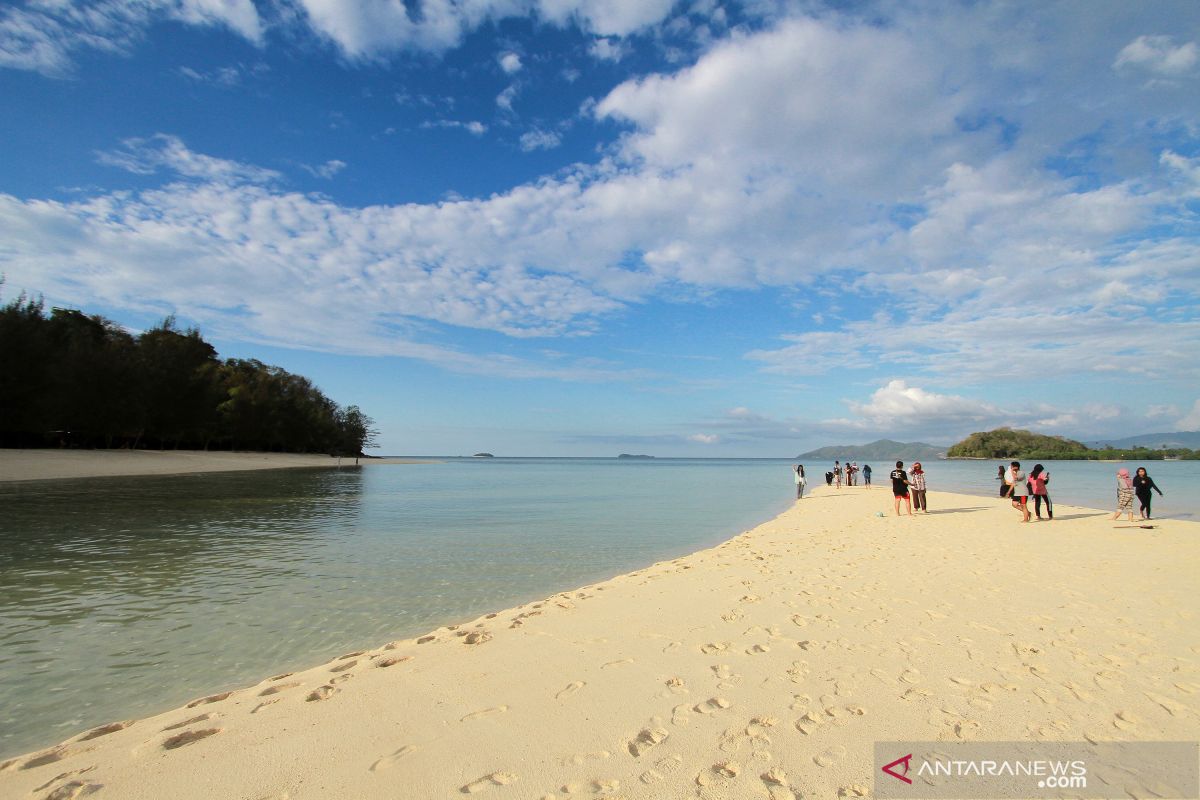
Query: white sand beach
{"points": [[765, 667], [33, 465]]}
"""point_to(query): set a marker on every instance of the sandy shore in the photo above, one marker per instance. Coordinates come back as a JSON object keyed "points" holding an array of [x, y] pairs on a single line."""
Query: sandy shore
{"points": [[765, 667], [35, 465]]}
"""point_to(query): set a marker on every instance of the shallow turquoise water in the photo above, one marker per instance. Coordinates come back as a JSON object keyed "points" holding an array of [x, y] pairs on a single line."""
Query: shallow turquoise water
{"points": [[120, 597]]}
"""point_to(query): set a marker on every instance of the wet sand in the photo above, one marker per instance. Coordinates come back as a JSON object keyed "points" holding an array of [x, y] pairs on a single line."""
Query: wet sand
{"points": [[764, 667]]}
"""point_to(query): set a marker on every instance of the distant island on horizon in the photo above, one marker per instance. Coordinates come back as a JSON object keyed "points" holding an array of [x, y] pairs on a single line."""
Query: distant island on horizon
{"points": [[1011, 443], [879, 450], [627, 455]]}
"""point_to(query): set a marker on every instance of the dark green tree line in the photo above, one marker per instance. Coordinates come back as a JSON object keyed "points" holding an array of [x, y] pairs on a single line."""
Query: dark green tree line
{"points": [[77, 380]]}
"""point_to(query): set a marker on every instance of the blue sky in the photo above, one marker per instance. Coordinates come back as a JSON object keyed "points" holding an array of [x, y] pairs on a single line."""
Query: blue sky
{"points": [[586, 227]]}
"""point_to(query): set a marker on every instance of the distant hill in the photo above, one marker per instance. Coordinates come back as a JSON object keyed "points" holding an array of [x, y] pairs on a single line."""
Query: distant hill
{"points": [[634, 456], [881, 450], [1155, 441]]}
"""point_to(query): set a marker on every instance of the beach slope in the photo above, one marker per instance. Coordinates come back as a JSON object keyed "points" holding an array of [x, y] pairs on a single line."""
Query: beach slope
{"points": [[765, 667]]}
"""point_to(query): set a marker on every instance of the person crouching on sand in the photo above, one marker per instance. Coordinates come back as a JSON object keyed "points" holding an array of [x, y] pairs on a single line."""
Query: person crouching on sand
{"points": [[1019, 491], [798, 471], [900, 488], [1124, 494], [916, 483]]}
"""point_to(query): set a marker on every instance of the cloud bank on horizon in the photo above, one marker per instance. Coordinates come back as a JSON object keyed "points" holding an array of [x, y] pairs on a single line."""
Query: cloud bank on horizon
{"points": [[917, 217]]}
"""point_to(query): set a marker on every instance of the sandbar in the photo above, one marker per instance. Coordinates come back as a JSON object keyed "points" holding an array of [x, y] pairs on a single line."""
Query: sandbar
{"points": [[765, 667], [34, 465]]}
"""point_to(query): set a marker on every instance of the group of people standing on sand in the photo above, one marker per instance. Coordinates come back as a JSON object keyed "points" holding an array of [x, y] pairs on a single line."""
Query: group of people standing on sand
{"points": [[848, 473], [1018, 487]]}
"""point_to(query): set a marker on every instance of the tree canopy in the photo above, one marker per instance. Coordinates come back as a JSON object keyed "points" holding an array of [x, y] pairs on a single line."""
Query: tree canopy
{"points": [[1010, 443], [72, 379]]}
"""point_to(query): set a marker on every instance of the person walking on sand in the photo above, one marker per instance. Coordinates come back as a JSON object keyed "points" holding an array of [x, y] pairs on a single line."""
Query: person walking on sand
{"points": [[798, 472], [1038, 478], [1142, 484], [1124, 494], [916, 483], [900, 488], [1019, 491], [867, 475], [837, 473]]}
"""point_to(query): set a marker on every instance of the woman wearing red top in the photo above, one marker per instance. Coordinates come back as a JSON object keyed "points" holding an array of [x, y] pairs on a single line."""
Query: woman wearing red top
{"points": [[1038, 478]]}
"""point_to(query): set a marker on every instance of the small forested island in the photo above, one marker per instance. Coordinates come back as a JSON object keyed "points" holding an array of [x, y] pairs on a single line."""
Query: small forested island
{"points": [[483, 455], [71, 379], [1010, 443], [628, 455]]}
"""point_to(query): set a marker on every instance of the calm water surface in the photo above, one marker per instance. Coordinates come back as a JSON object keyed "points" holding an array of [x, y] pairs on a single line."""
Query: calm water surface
{"points": [[122, 597]]}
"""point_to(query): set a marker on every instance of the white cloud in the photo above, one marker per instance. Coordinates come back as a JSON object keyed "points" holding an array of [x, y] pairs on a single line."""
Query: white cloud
{"points": [[540, 140], [897, 405], [1160, 55], [510, 63], [162, 151], [326, 170], [1190, 421], [704, 438], [506, 97], [609, 48], [44, 36], [473, 127]]}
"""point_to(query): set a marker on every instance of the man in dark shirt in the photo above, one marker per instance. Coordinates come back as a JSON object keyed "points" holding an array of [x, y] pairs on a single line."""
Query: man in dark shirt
{"points": [[900, 488]]}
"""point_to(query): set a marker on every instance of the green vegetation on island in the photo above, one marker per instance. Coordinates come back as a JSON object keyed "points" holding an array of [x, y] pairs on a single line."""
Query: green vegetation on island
{"points": [[68, 379], [1010, 443]]}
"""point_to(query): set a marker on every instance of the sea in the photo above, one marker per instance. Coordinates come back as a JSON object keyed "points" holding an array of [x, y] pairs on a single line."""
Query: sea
{"points": [[123, 597]]}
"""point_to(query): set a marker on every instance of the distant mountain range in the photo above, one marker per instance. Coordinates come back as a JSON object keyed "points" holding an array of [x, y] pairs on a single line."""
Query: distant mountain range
{"points": [[884, 450], [1155, 441]]}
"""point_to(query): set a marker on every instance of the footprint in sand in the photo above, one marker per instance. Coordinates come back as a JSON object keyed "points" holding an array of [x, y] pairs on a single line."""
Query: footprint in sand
{"points": [[647, 739], [345, 676], [570, 689], [619, 663], [1126, 720], [830, 757], [487, 781], [911, 675], [74, 789], [389, 760], [264, 704], [392, 661], [213, 698], [662, 769], [279, 687], [487, 712], [45, 757], [712, 705], [809, 723], [1080, 694], [321, 693], [478, 637], [188, 737], [104, 730], [732, 616], [1046, 696], [714, 647], [579, 759], [883, 677], [192, 721], [343, 666], [56, 778], [853, 790], [967, 729], [757, 649], [681, 715]]}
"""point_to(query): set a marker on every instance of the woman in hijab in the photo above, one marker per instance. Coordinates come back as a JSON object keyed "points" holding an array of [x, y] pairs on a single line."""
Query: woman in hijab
{"points": [[1038, 478], [1124, 494], [1142, 484], [916, 485]]}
